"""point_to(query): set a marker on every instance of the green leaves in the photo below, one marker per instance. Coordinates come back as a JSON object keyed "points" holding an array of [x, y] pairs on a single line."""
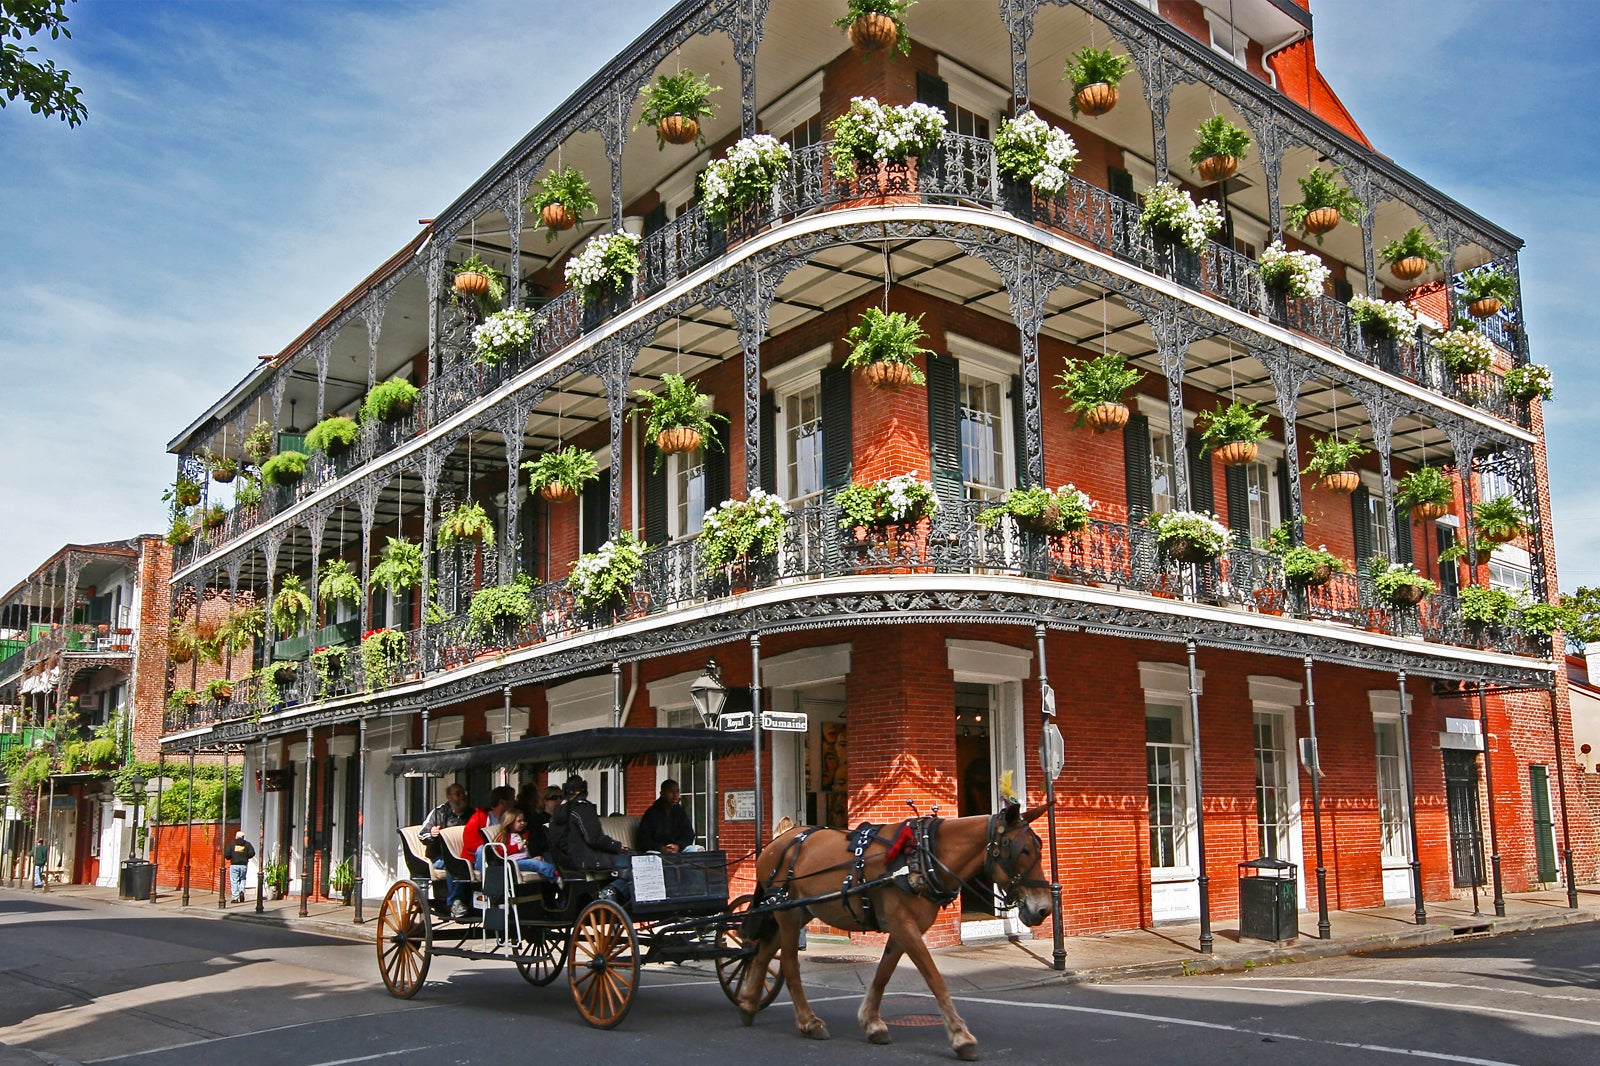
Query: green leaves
{"points": [[45, 89]]}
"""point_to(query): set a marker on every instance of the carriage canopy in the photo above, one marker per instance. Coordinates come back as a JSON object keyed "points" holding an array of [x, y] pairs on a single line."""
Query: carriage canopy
{"points": [[583, 749]]}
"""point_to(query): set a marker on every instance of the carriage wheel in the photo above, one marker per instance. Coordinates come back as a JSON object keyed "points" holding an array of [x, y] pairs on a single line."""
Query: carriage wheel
{"points": [[731, 969], [405, 939], [540, 956], [603, 964]]}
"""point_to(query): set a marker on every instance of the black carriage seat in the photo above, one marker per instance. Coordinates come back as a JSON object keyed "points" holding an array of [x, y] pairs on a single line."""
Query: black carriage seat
{"points": [[417, 861], [456, 862]]}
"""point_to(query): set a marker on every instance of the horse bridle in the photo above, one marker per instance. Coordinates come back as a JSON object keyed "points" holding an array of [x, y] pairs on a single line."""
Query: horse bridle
{"points": [[1003, 853]]}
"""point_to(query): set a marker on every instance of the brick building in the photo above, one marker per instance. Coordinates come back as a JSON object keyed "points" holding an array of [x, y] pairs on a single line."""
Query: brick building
{"points": [[916, 647]]}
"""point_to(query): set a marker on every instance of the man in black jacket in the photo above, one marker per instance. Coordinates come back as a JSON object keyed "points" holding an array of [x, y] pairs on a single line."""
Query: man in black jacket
{"points": [[580, 844], [665, 826], [240, 852]]}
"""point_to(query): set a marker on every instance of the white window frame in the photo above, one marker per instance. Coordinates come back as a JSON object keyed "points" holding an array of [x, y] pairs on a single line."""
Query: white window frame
{"points": [[1396, 860], [1160, 423], [1267, 455], [589, 703], [994, 366], [973, 92], [677, 468], [794, 376], [1174, 891], [1382, 535], [1219, 31], [1278, 697], [798, 105]]}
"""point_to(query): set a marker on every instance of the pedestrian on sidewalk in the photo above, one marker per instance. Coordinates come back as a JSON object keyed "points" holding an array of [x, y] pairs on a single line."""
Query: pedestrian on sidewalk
{"points": [[41, 859], [240, 852]]}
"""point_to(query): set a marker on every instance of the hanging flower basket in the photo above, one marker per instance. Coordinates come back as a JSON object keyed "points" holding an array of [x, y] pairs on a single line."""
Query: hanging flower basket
{"points": [[1215, 168], [678, 440], [1429, 512], [1409, 268], [1096, 99], [1106, 417], [889, 376], [1236, 453], [1485, 307], [557, 217], [472, 283], [873, 33], [1344, 482], [1501, 535], [678, 129], [1321, 219], [556, 492], [1186, 550], [1408, 595]]}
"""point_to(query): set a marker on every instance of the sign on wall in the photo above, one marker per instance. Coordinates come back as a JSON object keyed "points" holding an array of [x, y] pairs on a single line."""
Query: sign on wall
{"points": [[739, 806]]}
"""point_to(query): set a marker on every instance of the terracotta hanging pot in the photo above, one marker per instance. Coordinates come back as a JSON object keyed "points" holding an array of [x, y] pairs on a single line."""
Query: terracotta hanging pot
{"points": [[1344, 482], [556, 492], [1096, 98], [873, 33], [472, 283], [1185, 550], [1218, 167], [679, 439], [678, 129], [1236, 453], [1499, 536], [1408, 595], [1319, 576], [1322, 219], [1429, 512], [1409, 268], [889, 376], [556, 217], [222, 475], [1106, 417], [1484, 308]]}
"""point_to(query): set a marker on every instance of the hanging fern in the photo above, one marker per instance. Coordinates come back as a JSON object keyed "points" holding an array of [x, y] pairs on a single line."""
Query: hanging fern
{"points": [[335, 582], [400, 567], [291, 606]]}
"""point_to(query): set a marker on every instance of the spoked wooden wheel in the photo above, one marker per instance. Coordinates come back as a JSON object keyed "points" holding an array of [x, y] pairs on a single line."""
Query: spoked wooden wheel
{"points": [[540, 956], [405, 939], [603, 964], [731, 969]]}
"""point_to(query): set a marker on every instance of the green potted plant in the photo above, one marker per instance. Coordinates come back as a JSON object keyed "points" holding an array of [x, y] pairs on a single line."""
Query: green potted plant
{"points": [[275, 877], [1188, 536], [605, 267], [497, 611], [247, 493], [1464, 351], [1383, 319], [1094, 74], [1481, 606], [1486, 291], [1030, 151], [1042, 511], [1171, 214], [1330, 463], [1300, 275], [342, 878], [329, 663], [258, 443], [468, 522], [877, 26], [399, 567], [291, 606], [741, 529], [285, 468], [185, 492], [886, 346], [337, 583], [902, 500], [389, 401], [1545, 618], [559, 476], [1525, 382], [242, 626], [561, 197], [181, 532], [384, 653], [1427, 491], [1408, 255], [1309, 567], [182, 699], [220, 689], [212, 516], [678, 418], [476, 280], [603, 579], [1232, 431], [675, 104], [1324, 202], [223, 468], [503, 335], [333, 436], [744, 176], [1499, 520], [1219, 146], [870, 133], [1397, 584], [1094, 389]]}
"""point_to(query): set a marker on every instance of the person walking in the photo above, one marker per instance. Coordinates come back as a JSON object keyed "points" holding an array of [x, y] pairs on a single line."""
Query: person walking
{"points": [[240, 852], [41, 859]]}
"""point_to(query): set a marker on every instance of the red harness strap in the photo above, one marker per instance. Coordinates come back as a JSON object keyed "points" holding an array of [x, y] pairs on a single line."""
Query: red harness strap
{"points": [[903, 840]]}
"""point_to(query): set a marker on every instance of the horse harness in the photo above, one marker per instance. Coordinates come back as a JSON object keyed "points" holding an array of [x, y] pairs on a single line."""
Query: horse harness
{"points": [[918, 875]]}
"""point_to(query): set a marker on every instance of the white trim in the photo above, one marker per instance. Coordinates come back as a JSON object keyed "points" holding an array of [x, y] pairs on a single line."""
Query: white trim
{"points": [[1385, 704], [1153, 407], [390, 733], [791, 373], [1169, 680], [297, 752], [986, 662], [672, 693], [794, 106], [985, 356], [518, 722], [342, 746], [973, 91], [1277, 691], [446, 732], [586, 703], [677, 188], [807, 667]]}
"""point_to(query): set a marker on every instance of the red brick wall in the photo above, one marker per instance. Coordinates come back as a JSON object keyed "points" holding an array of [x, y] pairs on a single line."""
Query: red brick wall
{"points": [[199, 843], [149, 695]]}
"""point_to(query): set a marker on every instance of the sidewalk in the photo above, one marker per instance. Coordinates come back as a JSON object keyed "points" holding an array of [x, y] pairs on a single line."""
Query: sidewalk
{"points": [[1170, 950]]}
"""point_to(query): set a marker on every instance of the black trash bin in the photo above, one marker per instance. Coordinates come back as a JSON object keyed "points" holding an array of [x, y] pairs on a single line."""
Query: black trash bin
{"points": [[136, 880], [1269, 899]]}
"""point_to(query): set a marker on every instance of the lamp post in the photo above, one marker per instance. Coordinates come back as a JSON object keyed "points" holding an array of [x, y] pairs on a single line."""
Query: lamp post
{"points": [[709, 697], [137, 784]]}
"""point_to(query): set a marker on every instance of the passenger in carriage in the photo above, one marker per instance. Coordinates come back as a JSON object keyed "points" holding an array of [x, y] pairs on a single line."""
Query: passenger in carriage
{"points": [[472, 841], [665, 825], [453, 811], [514, 837], [578, 841]]}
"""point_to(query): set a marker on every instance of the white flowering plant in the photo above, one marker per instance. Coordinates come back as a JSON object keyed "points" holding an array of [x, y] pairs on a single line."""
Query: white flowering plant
{"points": [[1202, 529], [1464, 351], [1383, 318], [1029, 149], [1171, 211], [501, 335], [880, 133], [605, 577], [1039, 510], [604, 266], [1297, 274], [1526, 382], [736, 528], [897, 500], [746, 174]]}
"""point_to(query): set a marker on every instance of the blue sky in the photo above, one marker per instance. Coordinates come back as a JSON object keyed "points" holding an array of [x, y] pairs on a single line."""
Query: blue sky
{"points": [[245, 164]]}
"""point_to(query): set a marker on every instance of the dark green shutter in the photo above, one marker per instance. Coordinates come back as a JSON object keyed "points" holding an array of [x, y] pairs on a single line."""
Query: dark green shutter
{"points": [[655, 505], [1361, 523], [1404, 552], [1544, 838], [1285, 496], [1238, 490], [768, 472], [944, 430], [1120, 183], [836, 427], [935, 92], [1202, 494], [1343, 290], [1136, 465], [595, 508], [1449, 584], [655, 218], [716, 460], [1019, 428]]}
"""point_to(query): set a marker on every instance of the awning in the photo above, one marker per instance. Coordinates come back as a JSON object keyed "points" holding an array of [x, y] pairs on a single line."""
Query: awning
{"points": [[582, 749]]}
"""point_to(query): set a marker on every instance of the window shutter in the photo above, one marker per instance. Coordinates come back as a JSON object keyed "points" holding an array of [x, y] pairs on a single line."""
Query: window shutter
{"points": [[1449, 583], [944, 425], [1120, 183], [716, 459], [1238, 490], [1544, 842], [1285, 502], [836, 427], [1019, 431], [1136, 465], [655, 219], [655, 505], [1361, 524], [1404, 552], [1202, 495], [768, 473], [935, 92], [1343, 290], [595, 511]]}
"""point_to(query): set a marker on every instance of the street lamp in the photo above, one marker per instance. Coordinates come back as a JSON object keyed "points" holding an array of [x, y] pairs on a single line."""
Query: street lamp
{"points": [[709, 695], [138, 784]]}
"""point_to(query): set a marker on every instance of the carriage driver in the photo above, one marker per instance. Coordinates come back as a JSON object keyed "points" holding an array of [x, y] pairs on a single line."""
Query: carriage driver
{"points": [[580, 843]]}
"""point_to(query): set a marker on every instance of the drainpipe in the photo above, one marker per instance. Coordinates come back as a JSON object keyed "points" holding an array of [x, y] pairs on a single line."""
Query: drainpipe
{"points": [[1324, 928], [1047, 700], [1204, 881], [1411, 800], [1488, 783], [1561, 789], [261, 838]]}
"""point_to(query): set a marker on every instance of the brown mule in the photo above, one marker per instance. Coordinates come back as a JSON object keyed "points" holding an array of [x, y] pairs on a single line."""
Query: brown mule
{"points": [[805, 862]]}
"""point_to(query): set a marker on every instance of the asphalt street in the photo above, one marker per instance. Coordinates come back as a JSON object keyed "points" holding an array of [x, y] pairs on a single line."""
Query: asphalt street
{"points": [[93, 983]]}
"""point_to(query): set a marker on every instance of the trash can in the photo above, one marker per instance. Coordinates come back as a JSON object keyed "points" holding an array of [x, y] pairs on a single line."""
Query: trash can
{"points": [[1269, 904], [136, 879]]}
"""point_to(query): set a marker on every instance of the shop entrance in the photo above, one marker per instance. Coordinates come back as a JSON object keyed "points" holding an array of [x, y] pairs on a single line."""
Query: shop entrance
{"points": [[975, 767]]}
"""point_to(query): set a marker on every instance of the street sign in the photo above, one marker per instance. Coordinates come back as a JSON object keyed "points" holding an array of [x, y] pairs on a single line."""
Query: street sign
{"points": [[1051, 753], [785, 721], [1047, 700], [737, 722], [1308, 757]]}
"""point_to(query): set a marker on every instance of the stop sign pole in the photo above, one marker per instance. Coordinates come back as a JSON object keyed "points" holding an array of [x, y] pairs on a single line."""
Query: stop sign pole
{"points": [[1051, 757]]}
